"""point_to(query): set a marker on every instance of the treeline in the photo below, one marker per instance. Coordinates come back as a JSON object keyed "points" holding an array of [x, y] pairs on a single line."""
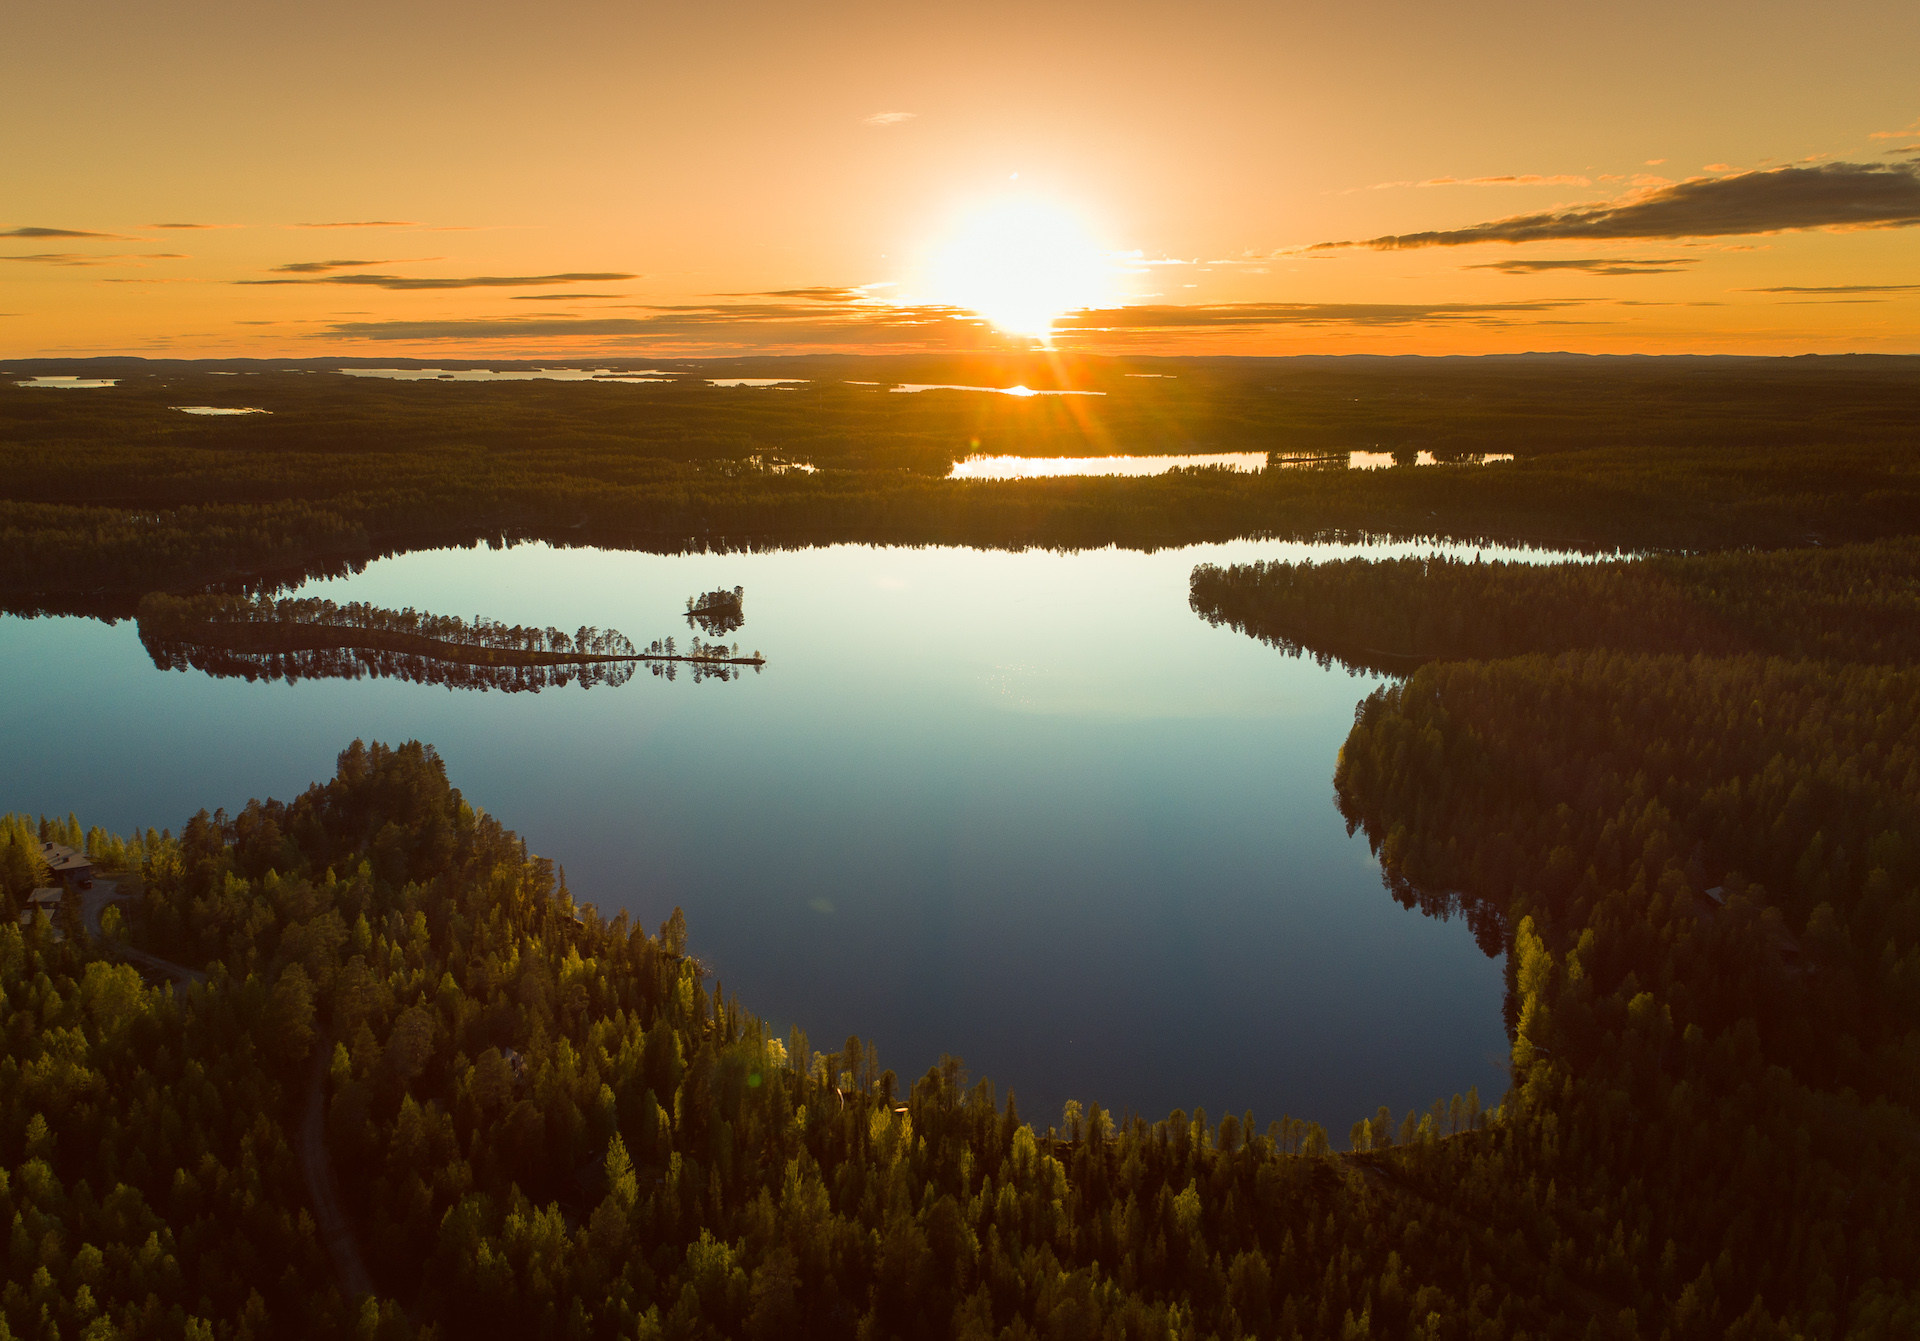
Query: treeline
{"points": [[1447, 406], [1709, 873], [356, 663], [104, 499], [1684, 793], [547, 1124], [261, 638], [1851, 603], [182, 616]]}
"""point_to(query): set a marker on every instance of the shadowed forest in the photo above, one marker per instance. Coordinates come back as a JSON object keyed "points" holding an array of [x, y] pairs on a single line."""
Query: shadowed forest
{"points": [[358, 1063], [260, 638], [106, 494]]}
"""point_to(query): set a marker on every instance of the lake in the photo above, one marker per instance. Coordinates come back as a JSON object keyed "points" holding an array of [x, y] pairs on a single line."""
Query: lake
{"points": [[982, 467], [1026, 808]]}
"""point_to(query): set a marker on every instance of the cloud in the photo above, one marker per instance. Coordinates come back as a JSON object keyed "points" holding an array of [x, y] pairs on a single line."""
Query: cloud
{"points": [[821, 324], [708, 326], [191, 225], [820, 293], [1594, 265], [1828, 195], [321, 267], [469, 282], [1505, 179], [57, 258], [560, 297], [61, 232], [1232, 315], [888, 118], [362, 223], [85, 258], [1522, 179], [1840, 288]]}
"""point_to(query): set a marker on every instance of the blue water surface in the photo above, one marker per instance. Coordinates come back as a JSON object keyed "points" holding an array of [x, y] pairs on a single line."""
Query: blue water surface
{"points": [[1025, 808]]}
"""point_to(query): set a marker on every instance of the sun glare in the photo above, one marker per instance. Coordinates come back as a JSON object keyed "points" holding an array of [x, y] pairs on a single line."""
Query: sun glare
{"points": [[1021, 264]]}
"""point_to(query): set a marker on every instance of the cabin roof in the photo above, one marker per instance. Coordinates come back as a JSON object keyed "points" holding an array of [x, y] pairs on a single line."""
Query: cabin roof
{"points": [[63, 858]]}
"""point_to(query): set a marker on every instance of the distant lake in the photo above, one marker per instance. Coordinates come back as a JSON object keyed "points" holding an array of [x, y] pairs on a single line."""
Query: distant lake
{"points": [[1026, 808], [1039, 467], [507, 374], [999, 390]]}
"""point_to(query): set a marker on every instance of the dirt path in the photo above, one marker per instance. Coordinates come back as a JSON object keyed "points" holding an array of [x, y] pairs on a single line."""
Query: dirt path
{"points": [[324, 1190]]}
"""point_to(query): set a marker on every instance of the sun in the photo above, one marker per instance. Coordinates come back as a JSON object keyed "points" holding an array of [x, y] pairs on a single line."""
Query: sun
{"points": [[1021, 264]]}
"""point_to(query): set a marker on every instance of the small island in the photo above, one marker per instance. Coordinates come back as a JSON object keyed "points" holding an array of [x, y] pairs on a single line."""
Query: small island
{"points": [[300, 638], [717, 611]]}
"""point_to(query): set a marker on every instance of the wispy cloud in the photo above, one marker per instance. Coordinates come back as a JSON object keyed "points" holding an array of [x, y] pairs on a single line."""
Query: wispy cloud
{"points": [[1910, 133], [1839, 288], [62, 232], [1512, 179], [888, 118], [326, 267], [467, 282], [1594, 265], [1503, 179], [819, 293], [1240, 315], [195, 226], [85, 258], [362, 223], [714, 326], [560, 297], [1828, 195]]}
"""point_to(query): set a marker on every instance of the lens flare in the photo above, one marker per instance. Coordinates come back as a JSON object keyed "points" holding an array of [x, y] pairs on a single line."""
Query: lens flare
{"points": [[1021, 264]]}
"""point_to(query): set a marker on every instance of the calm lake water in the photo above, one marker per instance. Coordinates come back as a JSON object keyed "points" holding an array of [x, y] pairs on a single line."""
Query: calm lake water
{"points": [[504, 374], [1046, 467], [1039, 467], [1025, 808]]}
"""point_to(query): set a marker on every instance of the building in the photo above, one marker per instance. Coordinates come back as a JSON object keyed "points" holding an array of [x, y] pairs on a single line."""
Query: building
{"points": [[72, 869], [43, 901]]}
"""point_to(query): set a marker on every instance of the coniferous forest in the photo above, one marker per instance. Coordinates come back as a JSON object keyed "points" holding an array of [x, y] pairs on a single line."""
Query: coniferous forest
{"points": [[358, 1064]]}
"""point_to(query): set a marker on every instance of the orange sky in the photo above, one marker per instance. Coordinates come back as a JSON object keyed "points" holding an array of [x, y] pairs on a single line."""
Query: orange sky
{"points": [[628, 179]]}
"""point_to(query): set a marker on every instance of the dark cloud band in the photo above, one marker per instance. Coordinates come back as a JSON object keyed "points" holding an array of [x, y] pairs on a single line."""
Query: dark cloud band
{"points": [[745, 325], [62, 232], [468, 282], [1593, 265], [1828, 195], [322, 267], [1241, 315], [1839, 288]]}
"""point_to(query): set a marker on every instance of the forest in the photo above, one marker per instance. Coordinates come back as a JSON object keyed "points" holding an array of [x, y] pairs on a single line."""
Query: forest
{"points": [[106, 494], [263, 638], [544, 1123], [1683, 793], [357, 1063], [1849, 603]]}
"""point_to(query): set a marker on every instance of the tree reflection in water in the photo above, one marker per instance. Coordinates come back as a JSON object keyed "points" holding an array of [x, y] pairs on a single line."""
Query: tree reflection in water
{"points": [[718, 611], [260, 638]]}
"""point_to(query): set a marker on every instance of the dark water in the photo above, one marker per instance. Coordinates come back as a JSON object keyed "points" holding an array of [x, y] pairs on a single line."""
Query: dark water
{"points": [[1024, 808]]}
